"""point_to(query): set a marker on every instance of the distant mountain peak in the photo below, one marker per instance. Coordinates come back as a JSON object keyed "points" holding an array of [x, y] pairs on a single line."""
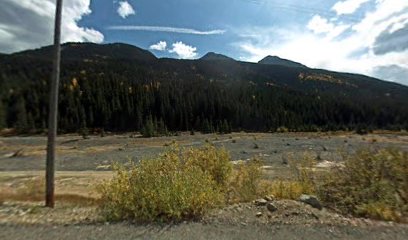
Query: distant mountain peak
{"points": [[76, 51], [211, 56], [275, 60]]}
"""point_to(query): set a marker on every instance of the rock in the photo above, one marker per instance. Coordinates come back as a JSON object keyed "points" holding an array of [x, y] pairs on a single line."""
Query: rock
{"points": [[269, 198], [259, 214], [261, 202], [311, 200], [271, 207], [18, 153], [103, 167]]}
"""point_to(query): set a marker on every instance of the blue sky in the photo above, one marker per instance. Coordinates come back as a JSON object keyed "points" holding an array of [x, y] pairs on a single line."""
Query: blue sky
{"points": [[208, 15], [359, 36]]}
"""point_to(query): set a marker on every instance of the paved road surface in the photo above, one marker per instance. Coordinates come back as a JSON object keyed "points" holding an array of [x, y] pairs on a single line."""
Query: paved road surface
{"points": [[199, 231]]}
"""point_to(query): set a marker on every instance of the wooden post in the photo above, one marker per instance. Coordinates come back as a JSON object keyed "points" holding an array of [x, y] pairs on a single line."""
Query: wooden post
{"points": [[53, 110]]}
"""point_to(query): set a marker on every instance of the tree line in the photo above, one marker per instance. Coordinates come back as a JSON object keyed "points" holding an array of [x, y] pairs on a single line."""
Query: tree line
{"points": [[119, 96]]}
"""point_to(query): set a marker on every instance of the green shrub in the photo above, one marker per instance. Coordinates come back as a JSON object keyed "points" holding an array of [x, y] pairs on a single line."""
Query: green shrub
{"points": [[282, 129], [154, 128], [371, 184], [180, 184]]}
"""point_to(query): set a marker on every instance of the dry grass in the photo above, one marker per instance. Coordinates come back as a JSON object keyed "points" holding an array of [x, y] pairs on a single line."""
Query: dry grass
{"points": [[244, 184], [287, 189], [301, 179], [71, 188]]}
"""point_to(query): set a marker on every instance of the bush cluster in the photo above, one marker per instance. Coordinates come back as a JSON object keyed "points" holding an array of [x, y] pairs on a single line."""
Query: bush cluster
{"points": [[373, 183], [185, 183], [180, 184]]}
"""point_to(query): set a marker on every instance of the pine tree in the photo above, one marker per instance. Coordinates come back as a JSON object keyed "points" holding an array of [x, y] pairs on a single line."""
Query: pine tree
{"points": [[161, 128], [21, 123], [206, 126], [148, 129], [2, 116]]}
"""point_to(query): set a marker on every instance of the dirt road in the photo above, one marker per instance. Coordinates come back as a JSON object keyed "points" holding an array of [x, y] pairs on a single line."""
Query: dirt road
{"points": [[199, 231]]}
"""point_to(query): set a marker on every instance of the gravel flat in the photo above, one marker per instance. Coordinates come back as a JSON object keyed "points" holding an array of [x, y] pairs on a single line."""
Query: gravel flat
{"points": [[97, 153]]}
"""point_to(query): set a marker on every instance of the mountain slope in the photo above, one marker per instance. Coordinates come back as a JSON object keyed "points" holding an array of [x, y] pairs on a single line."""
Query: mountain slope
{"points": [[89, 51], [274, 60], [120, 87], [272, 71], [211, 56]]}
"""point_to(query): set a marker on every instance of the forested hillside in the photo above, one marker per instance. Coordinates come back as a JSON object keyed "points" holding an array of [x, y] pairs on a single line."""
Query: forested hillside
{"points": [[119, 87]]}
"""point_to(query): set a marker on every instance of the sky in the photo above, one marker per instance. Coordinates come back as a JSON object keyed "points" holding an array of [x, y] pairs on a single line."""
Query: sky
{"points": [[360, 36]]}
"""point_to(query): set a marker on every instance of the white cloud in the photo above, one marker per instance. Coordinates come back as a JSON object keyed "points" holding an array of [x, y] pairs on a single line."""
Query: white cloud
{"points": [[331, 44], [167, 29], [183, 51], [348, 6], [160, 46], [29, 24], [320, 25], [125, 9]]}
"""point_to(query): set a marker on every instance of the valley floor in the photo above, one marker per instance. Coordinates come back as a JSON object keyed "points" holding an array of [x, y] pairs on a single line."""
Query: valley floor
{"points": [[82, 163], [275, 149]]}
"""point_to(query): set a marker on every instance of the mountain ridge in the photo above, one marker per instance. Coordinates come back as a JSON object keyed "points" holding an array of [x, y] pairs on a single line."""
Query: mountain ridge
{"points": [[120, 87], [269, 67], [212, 56], [73, 51], [275, 60]]}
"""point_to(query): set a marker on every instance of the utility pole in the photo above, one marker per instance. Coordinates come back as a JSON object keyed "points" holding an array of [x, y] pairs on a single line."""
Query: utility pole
{"points": [[53, 110]]}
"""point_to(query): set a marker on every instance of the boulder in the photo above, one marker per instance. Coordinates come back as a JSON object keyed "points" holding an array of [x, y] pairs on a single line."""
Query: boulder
{"points": [[261, 202], [311, 200], [271, 207], [269, 198]]}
